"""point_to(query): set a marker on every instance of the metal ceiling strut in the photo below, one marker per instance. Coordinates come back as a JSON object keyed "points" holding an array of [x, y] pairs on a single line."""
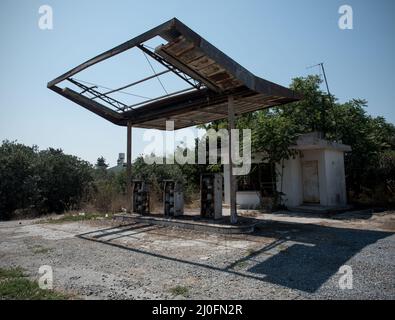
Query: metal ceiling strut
{"points": [[96, 94], [163, 62], [136, 82]]}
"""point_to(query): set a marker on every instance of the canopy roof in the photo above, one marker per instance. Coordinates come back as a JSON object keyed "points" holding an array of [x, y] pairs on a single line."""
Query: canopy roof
{"points": [[211, 76]]}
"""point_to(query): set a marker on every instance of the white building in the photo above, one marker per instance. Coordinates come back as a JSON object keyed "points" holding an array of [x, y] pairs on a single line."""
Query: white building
{"points": [[314, 177]]}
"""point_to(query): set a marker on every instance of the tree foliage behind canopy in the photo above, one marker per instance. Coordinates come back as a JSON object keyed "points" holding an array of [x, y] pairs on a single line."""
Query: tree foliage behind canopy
{"points": [[187, 174], [370, 165]]}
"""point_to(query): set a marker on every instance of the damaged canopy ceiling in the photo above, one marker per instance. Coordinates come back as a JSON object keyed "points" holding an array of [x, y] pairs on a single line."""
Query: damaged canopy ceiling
{"points": [[211, 76]]}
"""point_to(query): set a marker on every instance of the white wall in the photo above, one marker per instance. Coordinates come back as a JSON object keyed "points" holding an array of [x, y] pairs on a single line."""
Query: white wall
{"points": [[336, 182], [331, 175], [291, 183], [248, 199], [317, 155]]}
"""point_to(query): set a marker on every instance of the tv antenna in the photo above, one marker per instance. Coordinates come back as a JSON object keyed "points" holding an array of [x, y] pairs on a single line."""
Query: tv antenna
{"points": [[321, 66]]}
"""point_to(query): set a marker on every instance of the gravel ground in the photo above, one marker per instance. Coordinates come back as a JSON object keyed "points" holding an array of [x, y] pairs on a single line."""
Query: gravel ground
{"points": [[288, 257]]}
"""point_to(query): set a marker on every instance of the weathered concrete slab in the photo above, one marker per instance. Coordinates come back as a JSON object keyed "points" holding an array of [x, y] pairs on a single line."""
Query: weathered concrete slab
{"points": [[205, 226]]}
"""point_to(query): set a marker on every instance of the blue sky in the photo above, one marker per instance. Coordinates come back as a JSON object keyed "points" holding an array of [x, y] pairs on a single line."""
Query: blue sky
{"points": [[276, 40]]}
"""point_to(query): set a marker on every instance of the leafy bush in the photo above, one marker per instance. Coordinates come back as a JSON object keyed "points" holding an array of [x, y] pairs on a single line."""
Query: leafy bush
{"points": [[108, 193], [37, 182]]}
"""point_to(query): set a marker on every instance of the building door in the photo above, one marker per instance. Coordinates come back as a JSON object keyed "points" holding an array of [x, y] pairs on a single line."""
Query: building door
{"points": [[311, 189]]}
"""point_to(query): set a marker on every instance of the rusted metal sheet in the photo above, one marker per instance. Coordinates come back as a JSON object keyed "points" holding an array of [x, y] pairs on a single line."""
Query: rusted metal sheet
{"points": [[190, 57]]}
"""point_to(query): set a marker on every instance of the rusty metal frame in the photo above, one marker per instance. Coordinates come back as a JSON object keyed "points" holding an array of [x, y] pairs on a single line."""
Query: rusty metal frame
{"points": [[207, 93]]}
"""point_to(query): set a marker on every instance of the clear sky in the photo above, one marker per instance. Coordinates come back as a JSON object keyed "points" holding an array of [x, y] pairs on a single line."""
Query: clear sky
{"points": [[274, 39]]}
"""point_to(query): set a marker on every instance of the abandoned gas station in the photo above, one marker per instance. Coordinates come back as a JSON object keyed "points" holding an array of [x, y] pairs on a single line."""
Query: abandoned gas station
{"points": [[216, 87]]}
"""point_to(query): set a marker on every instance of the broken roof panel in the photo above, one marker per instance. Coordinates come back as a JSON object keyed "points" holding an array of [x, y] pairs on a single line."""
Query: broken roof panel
{"points": [[211, 75]]}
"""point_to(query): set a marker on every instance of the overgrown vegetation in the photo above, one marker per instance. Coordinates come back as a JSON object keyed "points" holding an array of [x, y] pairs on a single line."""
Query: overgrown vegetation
{"points": [[11, 273], [37, 249], [34, 182], [14, 285], [109, 188], [179, 291], [38, 182]]}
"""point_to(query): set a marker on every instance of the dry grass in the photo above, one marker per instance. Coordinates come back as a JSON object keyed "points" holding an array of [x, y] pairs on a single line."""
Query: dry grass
{"points": [[14, 285], [179, 291]]}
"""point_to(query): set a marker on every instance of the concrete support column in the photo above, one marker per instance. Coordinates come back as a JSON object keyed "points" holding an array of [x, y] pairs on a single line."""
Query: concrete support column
{"points": [[129, 166], [226, 184], [232, 180]]}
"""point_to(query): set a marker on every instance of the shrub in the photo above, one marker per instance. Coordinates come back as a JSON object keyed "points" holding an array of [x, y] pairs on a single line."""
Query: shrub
{"points": [[33, 181]]}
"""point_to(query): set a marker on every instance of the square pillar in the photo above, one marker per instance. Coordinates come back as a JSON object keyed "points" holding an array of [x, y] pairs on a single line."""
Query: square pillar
{"points": [[226, 173], [231, 179], [129, 167]]}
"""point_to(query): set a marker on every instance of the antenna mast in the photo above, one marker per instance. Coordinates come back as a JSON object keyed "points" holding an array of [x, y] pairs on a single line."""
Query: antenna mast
{"points": [[321, 65]]}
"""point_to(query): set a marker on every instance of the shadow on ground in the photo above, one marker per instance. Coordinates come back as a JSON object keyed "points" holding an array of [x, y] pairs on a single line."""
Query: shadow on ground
{"points": [[347, 215], [310, 254], [301, 256]]}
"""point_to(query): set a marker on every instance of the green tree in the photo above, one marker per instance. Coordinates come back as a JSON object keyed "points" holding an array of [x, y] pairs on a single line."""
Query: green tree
{"points": [[38, 182], [18, 178], [65, 180], [101, 163]]}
